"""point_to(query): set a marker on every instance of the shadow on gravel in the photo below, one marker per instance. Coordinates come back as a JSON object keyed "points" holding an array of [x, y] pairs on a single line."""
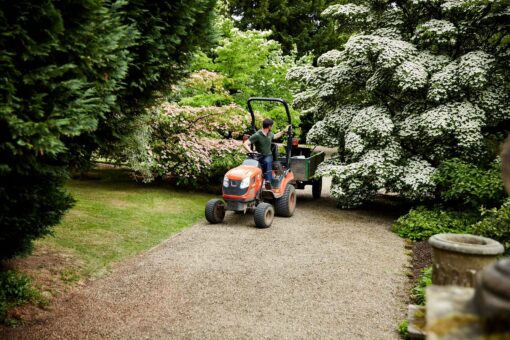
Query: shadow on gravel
{"points": [[380, 207]]}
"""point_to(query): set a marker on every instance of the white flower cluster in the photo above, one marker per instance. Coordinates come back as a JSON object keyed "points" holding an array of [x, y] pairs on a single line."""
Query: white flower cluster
{"points": [[427, 2], [411, 76], [439, 32], [474, 70], [329, 130], [494, 101], [415, 181], [388, 32], [444, 84], [462, 6], [388, 52], [349, 12], [373, 123], [359, 179], [460, 123], [470, 72], [432, 62], [331, 58], [397, 103], [305, 99]]}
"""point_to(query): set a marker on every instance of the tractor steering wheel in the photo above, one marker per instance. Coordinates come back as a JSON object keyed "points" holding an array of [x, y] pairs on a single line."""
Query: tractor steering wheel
{"points": [[253, 155]]}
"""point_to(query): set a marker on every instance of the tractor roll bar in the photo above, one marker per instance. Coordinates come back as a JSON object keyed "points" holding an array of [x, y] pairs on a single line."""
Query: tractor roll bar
{"points": [[264, 99], [288, 149]]}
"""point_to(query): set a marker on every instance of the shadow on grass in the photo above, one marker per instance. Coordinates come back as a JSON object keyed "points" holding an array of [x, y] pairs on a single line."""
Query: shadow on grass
{"points": [[118, 179]]}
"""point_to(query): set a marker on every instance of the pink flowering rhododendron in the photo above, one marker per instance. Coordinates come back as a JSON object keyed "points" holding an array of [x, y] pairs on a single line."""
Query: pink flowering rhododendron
{"points": [[190, 145]]}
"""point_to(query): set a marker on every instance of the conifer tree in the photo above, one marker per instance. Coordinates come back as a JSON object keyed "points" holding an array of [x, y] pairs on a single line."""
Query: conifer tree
{"points": [[73, 74]]}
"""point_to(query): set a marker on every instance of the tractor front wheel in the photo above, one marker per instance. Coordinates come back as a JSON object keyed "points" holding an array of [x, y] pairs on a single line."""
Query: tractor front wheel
{"points": [[215, 211], [264, 215], [286, 204]]}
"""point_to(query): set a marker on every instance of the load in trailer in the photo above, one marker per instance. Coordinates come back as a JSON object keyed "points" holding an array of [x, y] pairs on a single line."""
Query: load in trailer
{"points": [[244, 189]]}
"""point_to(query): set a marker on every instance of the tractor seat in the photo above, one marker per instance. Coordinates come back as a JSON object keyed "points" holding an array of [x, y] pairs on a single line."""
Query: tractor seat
{"points": [[251, 162]]}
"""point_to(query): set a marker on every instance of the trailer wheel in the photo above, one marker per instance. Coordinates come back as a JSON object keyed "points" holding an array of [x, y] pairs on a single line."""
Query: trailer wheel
{"points": [[286, 204], [264, 215], [317, 188], [215, 211]]}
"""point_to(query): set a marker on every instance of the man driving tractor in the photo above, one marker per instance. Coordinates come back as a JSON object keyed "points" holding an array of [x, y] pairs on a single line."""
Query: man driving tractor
{"points": [[262, 140]]}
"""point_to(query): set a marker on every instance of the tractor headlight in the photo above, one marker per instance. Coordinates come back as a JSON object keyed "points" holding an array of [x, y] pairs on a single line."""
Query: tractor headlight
{"points": [[225, 182], [245, 183]]}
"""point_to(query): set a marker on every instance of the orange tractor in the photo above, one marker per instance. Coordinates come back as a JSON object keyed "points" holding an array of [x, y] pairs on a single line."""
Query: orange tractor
{"points": [[244, 189]]}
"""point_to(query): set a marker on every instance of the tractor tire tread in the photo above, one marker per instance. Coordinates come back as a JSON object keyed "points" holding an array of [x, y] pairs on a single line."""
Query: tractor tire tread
{"points": [[282, 203], [260, 215], [210, 211]]}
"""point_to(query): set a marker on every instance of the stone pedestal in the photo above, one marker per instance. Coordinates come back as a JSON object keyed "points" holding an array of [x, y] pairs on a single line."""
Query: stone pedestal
{"points": [[416, 322], [451, 314], [458, 257]]}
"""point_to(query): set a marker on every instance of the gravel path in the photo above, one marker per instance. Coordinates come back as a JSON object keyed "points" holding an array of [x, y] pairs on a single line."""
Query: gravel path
{"points": [[324, 273]]}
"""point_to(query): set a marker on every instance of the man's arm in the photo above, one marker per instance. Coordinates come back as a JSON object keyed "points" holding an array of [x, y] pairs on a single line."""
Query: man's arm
{"points": [[246, 145], [280, 134]]}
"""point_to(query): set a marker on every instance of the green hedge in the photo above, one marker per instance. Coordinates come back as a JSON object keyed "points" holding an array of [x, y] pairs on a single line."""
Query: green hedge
{"points": [[468, 186], [495, 224], [421, 223]]}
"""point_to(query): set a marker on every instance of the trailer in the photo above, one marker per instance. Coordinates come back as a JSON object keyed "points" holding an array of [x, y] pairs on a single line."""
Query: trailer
{"points": [[305, 162]]}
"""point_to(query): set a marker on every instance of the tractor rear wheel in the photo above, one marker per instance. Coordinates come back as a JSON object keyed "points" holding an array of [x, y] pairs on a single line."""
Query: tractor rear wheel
{"points": [[264, 215], [317, 188], [286, 204], [215, 211]]}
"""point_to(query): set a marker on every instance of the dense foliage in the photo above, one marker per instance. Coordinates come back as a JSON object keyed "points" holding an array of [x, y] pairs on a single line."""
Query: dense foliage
{"points": [[74, 73], [422, 82], [467, 186], [168, 33], [421, 223], [495, 224], [403, 329], [293, 23], [471, 200]]}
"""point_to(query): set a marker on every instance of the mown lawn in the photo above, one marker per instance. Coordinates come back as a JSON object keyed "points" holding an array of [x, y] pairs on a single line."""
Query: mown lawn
{"points": [[115, 217]]}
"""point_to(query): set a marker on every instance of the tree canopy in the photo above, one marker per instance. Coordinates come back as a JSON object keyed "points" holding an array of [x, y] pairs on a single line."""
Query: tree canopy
{"points": [[293, 23], [421, 82]]}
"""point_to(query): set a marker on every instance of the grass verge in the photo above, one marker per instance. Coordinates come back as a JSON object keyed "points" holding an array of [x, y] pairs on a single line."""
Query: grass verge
{"points": [[114, 218]]}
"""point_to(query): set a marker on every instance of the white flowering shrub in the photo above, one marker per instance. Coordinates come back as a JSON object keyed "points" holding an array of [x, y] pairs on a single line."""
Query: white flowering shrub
{"points": [[417, 83]]}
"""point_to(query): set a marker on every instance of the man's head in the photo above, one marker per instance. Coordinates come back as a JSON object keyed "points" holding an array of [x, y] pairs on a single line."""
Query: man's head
{"points": [[267, 124]]}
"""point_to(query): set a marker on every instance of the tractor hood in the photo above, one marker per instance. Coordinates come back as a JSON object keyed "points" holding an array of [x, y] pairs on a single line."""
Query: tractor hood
{"points": [[242, 171]]}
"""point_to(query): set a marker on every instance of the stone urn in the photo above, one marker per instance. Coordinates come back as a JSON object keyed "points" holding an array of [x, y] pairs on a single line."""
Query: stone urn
{"points": [[458, 257]]}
